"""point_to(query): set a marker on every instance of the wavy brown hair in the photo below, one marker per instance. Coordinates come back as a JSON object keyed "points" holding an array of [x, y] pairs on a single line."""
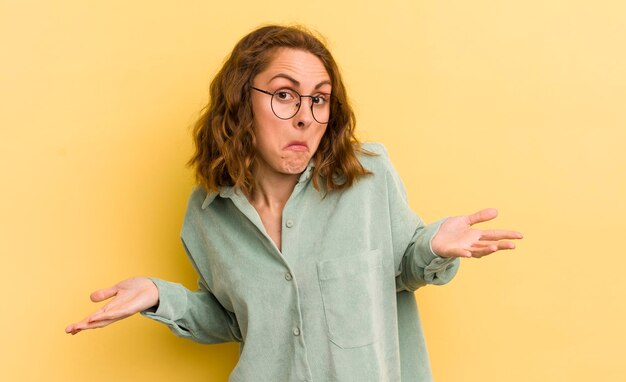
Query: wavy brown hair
{"points": [[225, 143]]}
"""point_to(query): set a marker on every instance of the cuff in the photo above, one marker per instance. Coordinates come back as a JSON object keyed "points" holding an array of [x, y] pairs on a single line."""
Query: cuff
{"points": [[438, 270], [172, 301]]}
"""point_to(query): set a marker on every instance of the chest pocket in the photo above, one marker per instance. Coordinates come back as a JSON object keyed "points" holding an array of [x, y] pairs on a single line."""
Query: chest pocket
{"points": [[352, 290]]}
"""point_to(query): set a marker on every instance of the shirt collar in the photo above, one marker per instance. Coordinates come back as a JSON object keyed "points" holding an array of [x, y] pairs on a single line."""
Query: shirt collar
{"points": [[229, 191]]}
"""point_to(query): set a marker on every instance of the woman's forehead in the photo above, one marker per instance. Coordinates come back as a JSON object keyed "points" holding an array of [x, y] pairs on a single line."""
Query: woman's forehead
{"points": [[294, 65]]}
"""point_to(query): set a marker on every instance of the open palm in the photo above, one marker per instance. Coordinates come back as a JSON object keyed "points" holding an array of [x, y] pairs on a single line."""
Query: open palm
{"points": [[129, 297], [457, 238]]}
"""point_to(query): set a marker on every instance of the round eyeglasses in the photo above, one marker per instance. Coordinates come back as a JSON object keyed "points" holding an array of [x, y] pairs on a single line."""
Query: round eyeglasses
{"points": [[285, 104]]}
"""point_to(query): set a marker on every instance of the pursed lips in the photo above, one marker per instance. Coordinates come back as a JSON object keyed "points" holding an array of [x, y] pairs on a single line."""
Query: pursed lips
{"points": [[297, 146]]}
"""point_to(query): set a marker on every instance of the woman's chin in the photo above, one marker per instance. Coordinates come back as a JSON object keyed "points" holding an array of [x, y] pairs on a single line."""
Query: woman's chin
{"points": [[295, 165]]}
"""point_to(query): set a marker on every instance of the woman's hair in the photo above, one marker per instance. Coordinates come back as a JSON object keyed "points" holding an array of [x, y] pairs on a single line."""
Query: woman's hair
{"points": [[224, 137]]}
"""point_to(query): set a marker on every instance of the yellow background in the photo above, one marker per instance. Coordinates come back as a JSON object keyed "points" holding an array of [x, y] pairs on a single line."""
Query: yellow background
{"points": [[518, 105]]}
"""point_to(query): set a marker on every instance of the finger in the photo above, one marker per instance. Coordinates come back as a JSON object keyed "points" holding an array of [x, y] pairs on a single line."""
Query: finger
{"points": [[74, 326], [494, 234], [85, 321], [104, 316], [101, 324], [482, 216], [73, 329], [89, 322], [82, 322], [103, 294], [111, 311], [483, 251], [481, 244], [92, 325], [487, 249], [494, 245]]}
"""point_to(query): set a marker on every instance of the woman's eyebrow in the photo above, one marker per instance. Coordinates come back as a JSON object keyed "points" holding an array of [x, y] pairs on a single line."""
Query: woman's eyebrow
{"points": [[326, 82], [285, 76], [296, 82]]}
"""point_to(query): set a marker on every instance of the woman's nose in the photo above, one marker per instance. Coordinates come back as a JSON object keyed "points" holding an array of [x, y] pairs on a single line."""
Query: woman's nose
{"points": [[304, 116]]}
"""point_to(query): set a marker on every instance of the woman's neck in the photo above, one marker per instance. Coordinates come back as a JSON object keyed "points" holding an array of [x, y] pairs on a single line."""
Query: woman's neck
{"points": [[272, 190]]}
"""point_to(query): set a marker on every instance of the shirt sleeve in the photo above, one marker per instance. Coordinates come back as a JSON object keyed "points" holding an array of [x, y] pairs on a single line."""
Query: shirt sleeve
{"points": [[194, 315], [197, 315], [418, 264]]}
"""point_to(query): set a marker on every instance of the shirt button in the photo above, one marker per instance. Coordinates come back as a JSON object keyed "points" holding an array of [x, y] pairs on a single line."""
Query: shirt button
{"points": [[289, 223], [288, 277], [296, 332]]}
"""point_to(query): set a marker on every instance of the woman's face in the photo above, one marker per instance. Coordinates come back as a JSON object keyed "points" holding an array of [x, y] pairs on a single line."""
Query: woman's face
{"points": [[286, 146]]}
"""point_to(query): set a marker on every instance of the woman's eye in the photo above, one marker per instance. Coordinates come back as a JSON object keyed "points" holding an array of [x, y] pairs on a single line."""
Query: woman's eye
{"points": [[284, 95], [320, 99]]}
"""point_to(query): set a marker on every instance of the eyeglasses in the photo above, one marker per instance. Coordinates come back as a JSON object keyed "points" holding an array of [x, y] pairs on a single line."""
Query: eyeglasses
{"points": [[285, 104]]}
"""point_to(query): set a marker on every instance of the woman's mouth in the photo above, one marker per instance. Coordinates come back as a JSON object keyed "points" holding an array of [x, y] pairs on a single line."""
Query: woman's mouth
{"points": [[297, 146]]}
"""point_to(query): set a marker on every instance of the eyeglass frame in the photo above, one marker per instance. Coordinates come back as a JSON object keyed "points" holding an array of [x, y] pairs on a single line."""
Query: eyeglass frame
{"points": [[332, 97]]}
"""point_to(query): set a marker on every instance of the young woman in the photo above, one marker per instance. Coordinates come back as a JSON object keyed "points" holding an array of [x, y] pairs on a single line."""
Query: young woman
{"points": [[305, 246]]}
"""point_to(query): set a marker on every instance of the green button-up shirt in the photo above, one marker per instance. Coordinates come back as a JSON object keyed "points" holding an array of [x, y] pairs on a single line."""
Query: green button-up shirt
{"points": [[336, 304]]}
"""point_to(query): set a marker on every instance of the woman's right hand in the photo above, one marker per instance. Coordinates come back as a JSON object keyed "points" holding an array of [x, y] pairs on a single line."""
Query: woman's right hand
{"points": [[129, 297]]}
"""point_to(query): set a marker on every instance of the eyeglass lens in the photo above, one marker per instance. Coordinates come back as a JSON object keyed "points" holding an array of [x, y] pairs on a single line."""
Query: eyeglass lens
{"points": [[286, 103]]}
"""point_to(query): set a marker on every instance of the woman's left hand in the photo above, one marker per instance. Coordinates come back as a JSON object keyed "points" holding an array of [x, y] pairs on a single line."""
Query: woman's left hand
{"points": [[457, 238]]}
